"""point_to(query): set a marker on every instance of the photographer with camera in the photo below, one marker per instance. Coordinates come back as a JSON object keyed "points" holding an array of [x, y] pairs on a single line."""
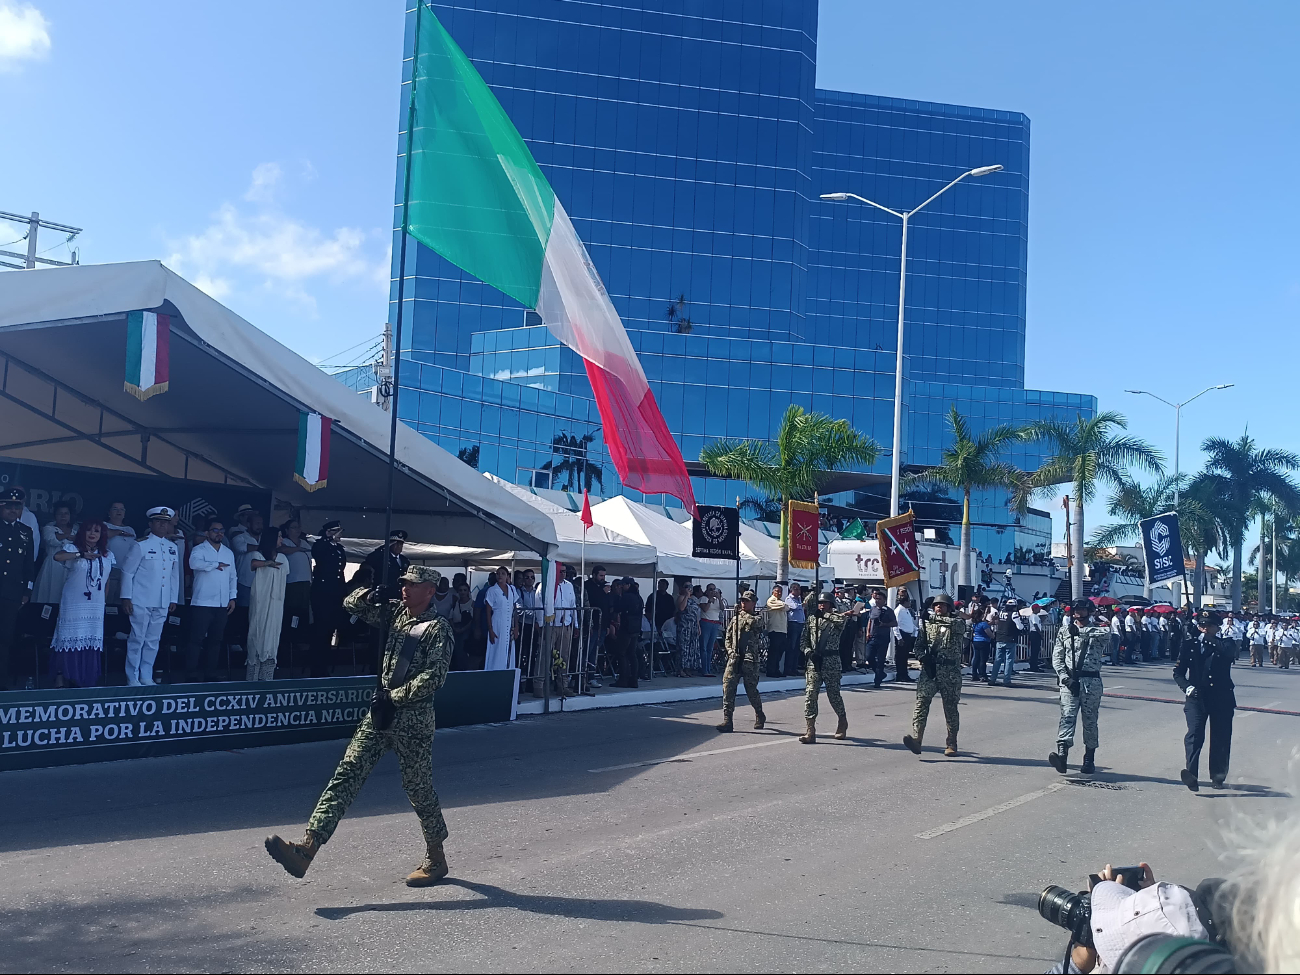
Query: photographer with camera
{"points": [[1076, 658], [1127, 922]]}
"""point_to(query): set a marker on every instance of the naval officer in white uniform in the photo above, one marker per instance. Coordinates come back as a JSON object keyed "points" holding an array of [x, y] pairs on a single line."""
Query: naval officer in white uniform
{"points": [[151, 586]]}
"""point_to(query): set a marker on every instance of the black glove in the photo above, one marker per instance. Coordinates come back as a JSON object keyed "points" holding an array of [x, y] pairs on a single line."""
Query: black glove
{"points": [[375, 596], [382, 709]]}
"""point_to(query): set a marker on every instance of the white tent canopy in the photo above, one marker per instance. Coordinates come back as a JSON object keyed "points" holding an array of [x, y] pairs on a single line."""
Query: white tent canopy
{"points": [[768, 550], [230, 415], [672, 541], [619, 554]]}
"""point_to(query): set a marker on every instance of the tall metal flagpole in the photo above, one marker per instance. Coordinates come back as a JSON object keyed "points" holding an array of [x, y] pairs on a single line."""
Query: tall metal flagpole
{"points": [[397, 333]]}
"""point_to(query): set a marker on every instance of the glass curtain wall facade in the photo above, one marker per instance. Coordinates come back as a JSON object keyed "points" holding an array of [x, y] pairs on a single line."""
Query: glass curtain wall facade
{"points": [[689, 144]]}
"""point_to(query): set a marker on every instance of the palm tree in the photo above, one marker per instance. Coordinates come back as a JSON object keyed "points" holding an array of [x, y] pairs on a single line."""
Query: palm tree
{"points": [[1203, 528], [1087, 454], [1276, 538], [574, 464], [1133, 503], [967, 463], [1246, 476], [808, 448]]}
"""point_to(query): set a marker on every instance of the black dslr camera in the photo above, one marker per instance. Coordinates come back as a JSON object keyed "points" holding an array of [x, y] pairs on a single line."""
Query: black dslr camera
{"points": [[1069, 910]]}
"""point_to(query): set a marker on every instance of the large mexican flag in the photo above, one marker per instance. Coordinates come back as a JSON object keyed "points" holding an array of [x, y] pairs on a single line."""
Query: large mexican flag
{"points": [[478, 198]]}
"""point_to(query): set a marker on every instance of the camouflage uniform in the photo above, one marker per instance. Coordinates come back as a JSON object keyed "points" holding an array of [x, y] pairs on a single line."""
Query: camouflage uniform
{"points": [[410, 734], [742, 662], [941, 640], [1080, 653], [821, 648]]}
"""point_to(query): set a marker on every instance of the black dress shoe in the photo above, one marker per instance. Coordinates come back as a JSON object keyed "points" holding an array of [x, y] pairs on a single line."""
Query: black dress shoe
{"points": [[1190, 780], [1217, 781]]}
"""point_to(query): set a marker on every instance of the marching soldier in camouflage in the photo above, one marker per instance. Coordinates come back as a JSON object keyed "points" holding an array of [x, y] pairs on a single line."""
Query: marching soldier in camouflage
{"points": [[743, 634], [1076, 657], [416, 659], [821, 647], [938, 646]]}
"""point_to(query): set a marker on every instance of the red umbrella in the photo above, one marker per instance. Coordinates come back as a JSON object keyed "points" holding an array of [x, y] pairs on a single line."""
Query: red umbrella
{"points": [[1104, 600], [1160, 608]]}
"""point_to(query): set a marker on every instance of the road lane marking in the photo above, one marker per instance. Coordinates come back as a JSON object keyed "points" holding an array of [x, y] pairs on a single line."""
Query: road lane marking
{"points": [[690, 756], [930, 834]]}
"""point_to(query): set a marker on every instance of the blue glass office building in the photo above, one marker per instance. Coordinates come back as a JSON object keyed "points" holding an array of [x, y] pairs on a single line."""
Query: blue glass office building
{"points": [[689, 144]]}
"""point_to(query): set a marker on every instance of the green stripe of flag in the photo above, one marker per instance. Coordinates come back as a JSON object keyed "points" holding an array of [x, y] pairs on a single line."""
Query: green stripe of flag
{"points": [[134, 346], [476, 194]]}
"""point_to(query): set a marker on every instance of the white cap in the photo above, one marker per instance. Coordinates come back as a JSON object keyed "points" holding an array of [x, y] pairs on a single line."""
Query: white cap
{"points": [[1121, 916], [162, 511]]}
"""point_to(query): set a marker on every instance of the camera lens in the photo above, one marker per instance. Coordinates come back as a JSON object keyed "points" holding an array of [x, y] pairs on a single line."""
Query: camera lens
{"points": [[1056, 905], [1069, 910]]}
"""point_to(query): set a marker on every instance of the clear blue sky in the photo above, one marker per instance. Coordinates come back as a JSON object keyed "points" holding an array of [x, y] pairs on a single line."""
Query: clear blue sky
{"points": [[253, 147]]}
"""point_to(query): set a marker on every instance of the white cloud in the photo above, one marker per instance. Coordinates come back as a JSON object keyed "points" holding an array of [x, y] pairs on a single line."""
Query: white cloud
{"points": [[24, 34], [261, 249], [265, 179]]}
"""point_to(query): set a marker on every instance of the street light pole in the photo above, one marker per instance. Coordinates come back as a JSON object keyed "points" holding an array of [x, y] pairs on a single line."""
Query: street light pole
{"points": [[905, 216], [1178, 422], [1178, 419]]}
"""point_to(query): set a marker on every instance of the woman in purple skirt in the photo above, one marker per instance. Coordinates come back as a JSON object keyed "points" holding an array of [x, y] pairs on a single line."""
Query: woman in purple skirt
{"points": [[79, 636]]}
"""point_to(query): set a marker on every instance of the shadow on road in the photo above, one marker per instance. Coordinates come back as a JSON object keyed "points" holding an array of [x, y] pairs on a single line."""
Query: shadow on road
{"points": [[643, 912]]}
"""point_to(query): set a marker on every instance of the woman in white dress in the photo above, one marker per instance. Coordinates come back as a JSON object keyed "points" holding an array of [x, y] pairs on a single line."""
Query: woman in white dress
{"points": [[502, 599], [266, 605], [79, 636], [53, 572]]}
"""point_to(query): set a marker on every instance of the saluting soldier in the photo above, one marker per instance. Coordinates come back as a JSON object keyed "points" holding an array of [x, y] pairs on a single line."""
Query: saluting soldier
{"points": [[329, 560], [743, 635], [1204, 672], [17, 571], [1076, 658], [939, 643], [397, 563], [415, 665], [821, 648], [151, 589]]}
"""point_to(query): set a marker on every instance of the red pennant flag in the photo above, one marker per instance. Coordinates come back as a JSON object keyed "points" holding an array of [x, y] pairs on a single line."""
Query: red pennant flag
{"points": [[587, 520]]}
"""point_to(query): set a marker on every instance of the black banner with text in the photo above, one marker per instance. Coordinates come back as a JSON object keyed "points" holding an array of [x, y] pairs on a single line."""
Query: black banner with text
{"points": [[71, 726]]}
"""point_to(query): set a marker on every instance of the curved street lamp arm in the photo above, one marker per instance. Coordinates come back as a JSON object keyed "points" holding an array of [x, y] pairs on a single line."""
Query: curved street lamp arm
{"points": [[940, 193], [873, 203]]}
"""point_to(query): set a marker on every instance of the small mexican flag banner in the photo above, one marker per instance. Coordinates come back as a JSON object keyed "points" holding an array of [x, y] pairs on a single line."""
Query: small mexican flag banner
{"points": [[313, 450], [148, 338]]}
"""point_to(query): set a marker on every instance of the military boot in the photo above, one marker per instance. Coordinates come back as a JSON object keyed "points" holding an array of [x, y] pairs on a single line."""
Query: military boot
{"points": [[842, 729], [726, 724], [1088, 767], [810, 736], [433, 869], [913, 743], [1059, 759], [951, 749], [760, 719], [294, 857]]}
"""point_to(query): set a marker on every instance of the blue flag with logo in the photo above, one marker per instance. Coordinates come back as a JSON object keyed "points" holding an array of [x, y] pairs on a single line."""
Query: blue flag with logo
{"points": [[1162, 546]]}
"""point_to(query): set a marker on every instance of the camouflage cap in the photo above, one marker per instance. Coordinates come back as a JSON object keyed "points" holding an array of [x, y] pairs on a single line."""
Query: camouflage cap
{"points": [[421, 573], [750, 595]]}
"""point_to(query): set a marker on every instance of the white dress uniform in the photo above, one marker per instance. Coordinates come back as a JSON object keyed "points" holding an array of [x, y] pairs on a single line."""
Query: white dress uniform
{"points": [[151, 579]]}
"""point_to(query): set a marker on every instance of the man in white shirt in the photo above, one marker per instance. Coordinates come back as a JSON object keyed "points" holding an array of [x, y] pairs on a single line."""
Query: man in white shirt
{"points": [[211, 601], [151, 585], [1258, 641], [1034, 622], [244, 545], [1116, 635], [121, 539], [566, 617]]}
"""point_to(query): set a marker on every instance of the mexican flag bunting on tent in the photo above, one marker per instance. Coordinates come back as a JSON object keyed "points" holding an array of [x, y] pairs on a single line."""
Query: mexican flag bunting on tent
{"points": [[313, 467], [478, 198], [148, 338]]}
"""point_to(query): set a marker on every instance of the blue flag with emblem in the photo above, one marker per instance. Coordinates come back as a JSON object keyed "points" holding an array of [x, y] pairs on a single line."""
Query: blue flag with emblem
{"points": [[1162, 546]]}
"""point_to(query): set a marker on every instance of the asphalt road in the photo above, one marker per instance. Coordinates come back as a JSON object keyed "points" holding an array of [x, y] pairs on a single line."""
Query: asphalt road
{"points": [[635, 839]]}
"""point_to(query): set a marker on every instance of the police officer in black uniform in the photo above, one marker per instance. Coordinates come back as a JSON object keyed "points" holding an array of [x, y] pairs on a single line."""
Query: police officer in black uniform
{"points": [[1204, 672], [327, 591], [397, 563], [17, 571]]}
